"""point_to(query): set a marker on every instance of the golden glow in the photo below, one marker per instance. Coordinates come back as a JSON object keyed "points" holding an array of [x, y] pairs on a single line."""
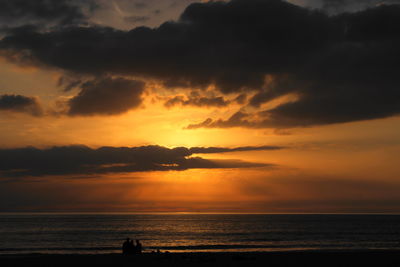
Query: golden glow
{"points": [[327, 167]]}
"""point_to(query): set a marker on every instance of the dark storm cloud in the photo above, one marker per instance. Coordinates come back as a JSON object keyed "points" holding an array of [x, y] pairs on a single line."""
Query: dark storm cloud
{"points": [[340, 6], [107, 96], [84, 160], [343, 68], [62, 12], [19, 103], [232, 45]]}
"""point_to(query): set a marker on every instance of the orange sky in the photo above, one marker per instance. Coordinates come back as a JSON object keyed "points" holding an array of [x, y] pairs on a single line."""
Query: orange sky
{"points": [[348, 167], [338, 168]]}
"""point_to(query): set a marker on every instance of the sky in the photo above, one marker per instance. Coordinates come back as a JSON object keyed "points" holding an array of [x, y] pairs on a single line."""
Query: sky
{"points": [[240, 106]]}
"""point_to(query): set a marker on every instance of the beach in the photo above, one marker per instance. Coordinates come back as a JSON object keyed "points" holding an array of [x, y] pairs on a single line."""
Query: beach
{"points": [[282, 258], [200, 240]]}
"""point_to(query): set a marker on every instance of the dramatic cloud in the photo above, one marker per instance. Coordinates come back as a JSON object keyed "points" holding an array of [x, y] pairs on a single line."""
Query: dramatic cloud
{"points": [[107, 96], [334, 7], [197, 50], [19, 103], [84, 160], [42, 12], [343, 68], [339, 6], [236, 120]]}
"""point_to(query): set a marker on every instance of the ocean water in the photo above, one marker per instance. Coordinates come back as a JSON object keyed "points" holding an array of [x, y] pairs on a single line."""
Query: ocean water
{"points": [[104, 233]]}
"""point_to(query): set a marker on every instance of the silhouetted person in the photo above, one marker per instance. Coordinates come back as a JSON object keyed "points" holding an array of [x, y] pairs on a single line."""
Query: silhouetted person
{"points": [[125, 246], [138, 247], [131, 248]]}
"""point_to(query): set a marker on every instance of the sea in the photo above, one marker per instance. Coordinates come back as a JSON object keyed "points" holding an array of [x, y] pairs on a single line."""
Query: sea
{"points": [[55, 233]]}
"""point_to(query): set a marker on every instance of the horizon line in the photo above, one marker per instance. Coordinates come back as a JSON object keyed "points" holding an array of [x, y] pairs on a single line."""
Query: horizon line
{"points": [[187, 213]]}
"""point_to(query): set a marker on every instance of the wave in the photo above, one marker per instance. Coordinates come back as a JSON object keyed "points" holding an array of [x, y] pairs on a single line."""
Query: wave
{"points": [[194, 248]]}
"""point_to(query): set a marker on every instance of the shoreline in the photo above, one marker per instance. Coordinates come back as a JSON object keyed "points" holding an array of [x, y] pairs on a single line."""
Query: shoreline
{"points": [[364, 257], [95, 252]]}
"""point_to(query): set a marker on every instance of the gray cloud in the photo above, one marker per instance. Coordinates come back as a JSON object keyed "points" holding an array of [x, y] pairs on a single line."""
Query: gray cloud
{"points": [[195, 51], [19, 103], [344, 68], [82, 160], [44, 12], [340, 6], [107, 96], [239, 119]]}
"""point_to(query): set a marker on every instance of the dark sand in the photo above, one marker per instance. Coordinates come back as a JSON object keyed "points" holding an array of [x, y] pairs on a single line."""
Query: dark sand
{"points": [[292, 258]]}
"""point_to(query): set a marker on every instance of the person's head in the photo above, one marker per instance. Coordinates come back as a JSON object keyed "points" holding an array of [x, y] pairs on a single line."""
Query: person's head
{"points": [[127, 239]]}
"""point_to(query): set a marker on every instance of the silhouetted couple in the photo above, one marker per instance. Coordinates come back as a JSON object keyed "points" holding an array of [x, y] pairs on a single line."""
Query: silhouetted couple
{"points": [[128, 248]]}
